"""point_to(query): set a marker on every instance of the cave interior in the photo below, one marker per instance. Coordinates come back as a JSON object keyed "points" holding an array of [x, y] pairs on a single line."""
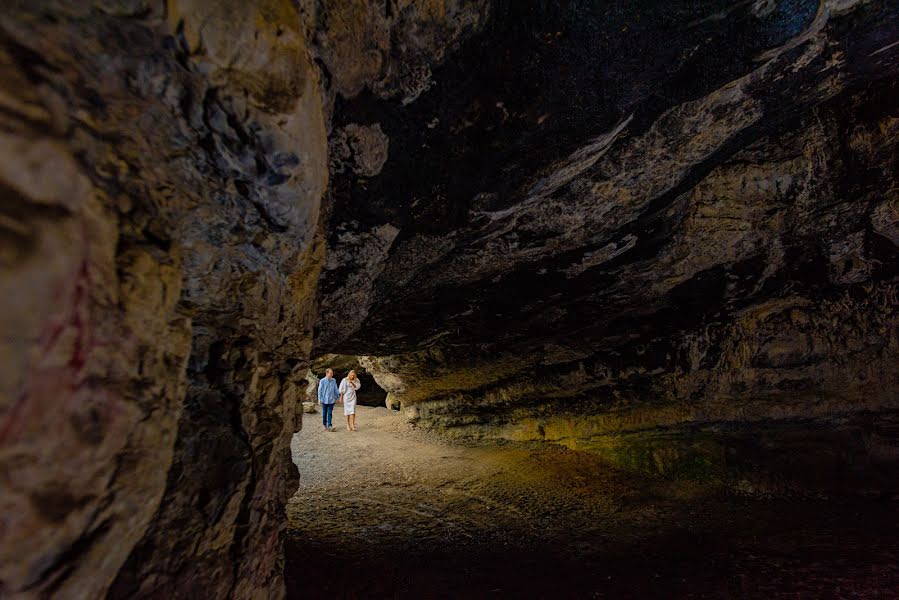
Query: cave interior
{"points": [[619, 279]]}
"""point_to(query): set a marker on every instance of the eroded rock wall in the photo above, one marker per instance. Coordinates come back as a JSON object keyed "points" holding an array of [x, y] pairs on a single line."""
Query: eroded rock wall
{"points": [[571, 221], [163, 165], [162, 174], [688, 267], [757, 344]]}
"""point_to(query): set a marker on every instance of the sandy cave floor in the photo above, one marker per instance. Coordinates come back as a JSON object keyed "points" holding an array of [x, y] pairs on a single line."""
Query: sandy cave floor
{"points": [[391, 511]]}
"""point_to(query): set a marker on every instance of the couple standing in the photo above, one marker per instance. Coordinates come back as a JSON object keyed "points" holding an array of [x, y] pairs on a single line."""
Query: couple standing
{"points": [[328, 394]]}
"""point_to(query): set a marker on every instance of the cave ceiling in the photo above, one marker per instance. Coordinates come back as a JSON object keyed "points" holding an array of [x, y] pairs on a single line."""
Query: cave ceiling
{"points": [[601, 174]]}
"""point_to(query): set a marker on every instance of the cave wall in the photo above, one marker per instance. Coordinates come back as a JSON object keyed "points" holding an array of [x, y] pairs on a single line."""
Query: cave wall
{"points": [[163, 168], [687, 214], [497, 255], [160, 227], [688, 267]]}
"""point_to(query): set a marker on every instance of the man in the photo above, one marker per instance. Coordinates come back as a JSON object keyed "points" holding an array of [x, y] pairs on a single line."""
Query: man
{"points": [[327, 396]]}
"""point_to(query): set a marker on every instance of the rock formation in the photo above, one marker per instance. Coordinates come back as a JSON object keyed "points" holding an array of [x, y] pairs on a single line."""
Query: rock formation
{"points": [[665, 235], [163, 168], [679, 253]]}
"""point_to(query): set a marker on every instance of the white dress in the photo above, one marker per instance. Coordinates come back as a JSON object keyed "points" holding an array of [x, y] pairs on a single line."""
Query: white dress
{"points": [[348, 390]]}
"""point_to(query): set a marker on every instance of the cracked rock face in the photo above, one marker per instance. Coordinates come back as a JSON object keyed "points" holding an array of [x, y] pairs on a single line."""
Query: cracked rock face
{"points": [[603, 222], [163, 166], [160, 218]]}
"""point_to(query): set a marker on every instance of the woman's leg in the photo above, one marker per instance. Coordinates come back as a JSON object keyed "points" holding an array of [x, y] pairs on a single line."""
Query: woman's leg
{"points": [[348, 422], [354, 421]]}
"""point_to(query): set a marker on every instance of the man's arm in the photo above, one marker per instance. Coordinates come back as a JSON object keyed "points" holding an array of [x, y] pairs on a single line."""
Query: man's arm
{"points": [[320, 389]]}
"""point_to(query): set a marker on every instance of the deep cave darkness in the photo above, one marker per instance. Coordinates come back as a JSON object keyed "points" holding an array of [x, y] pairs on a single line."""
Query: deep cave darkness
{"points": [[625, 270]]}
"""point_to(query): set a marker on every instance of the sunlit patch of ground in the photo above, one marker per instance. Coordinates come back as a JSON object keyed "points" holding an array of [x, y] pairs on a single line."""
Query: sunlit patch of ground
{"points": [[391, 511]]}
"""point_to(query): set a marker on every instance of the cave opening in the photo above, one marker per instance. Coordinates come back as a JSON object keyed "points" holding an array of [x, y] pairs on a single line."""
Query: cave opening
{"points": [[369, 393]]}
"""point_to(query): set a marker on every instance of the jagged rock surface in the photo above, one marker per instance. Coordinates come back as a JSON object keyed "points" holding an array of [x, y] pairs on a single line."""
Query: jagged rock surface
{"points": [[632, 214], [163, 169], [682, 261]]}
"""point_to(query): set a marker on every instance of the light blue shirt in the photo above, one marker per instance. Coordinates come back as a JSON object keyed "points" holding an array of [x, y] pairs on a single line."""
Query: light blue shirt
{"points": [[327, 391]]}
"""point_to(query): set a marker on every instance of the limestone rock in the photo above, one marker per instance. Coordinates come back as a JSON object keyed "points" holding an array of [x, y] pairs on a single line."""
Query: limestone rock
{"points": [[543, 221], [162, 175], [391, 48], [311, 387], [716, 261], [391, 402]]}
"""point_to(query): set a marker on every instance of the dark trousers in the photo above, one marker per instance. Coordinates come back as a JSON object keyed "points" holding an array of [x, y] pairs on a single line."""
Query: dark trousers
{"points": [[327, 411]]}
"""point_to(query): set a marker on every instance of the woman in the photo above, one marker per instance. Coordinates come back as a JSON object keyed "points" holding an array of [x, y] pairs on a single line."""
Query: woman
{"points": [[348, 388]]}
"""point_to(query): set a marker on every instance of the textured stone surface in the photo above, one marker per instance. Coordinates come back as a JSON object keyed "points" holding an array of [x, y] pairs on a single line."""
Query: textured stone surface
{"points": [[683, 258], [162, 171], [388, 48], [663, 233], [159, 222]]}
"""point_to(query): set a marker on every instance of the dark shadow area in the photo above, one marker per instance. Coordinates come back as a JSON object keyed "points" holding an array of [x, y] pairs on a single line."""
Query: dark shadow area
{"points": [[732, 548]]}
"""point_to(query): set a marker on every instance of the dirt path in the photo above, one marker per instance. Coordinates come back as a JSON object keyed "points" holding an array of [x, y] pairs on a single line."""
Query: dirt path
{"points": [[420, 485], [391, 511]]}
